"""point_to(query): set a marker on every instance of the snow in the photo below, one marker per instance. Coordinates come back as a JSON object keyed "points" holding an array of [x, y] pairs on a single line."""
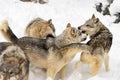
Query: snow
{"points": [[19, 14]]}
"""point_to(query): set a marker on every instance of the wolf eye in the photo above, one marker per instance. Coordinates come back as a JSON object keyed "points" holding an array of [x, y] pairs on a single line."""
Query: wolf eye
{"points": [[83, 31], [89, 26]]}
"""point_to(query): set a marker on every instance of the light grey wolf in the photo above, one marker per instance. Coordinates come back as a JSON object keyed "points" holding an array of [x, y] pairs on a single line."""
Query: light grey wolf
{"points": [[51, 54], [39, 28], [13, 62], [100, 43]]}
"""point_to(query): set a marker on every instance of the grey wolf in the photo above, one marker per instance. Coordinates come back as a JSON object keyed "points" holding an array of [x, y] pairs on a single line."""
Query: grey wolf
{"points": [[39, 28], [51, 54], [13, 62], [100, 43]]}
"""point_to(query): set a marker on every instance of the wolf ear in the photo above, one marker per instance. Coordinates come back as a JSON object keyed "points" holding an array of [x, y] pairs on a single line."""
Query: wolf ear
{"points": [[93, 16], [73, 32], [50, 21], [96, 20], [68, 25]]}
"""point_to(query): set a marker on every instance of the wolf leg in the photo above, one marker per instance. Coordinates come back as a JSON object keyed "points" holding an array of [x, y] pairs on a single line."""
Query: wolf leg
{"points": [[85, 57], [51, 72], [63, 72], [106, 62], [95, 63], [77, 64], [25, 71]]}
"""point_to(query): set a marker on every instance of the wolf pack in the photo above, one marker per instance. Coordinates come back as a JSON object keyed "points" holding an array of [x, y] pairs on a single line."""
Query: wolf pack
{"points": [[41, 48]]}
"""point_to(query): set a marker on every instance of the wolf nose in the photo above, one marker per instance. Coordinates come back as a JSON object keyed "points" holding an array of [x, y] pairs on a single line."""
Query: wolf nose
{"points": [[84, 39], [83, 31], [79, 27]]}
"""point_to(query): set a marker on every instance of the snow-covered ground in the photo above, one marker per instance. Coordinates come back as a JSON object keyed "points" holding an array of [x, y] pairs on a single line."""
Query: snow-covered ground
{"points": [[19, 14]]}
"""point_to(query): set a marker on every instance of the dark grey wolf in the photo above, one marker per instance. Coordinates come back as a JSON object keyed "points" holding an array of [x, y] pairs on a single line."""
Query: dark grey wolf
{"points": [[100, 43]]}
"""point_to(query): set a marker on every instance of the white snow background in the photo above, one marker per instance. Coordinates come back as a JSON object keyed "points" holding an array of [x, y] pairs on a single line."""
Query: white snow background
{"points": [[76, 12]]}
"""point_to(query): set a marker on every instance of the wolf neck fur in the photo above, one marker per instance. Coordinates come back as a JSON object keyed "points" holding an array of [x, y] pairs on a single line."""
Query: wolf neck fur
{"points": [[62, 40], [102, 29]]}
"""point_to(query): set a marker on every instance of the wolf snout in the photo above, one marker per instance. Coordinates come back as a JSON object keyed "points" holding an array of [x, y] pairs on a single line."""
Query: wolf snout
{"points": [[82, 31]]}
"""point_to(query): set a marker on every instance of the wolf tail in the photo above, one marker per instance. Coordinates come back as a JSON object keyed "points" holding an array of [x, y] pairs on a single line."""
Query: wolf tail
{"points": [[7, 32]]}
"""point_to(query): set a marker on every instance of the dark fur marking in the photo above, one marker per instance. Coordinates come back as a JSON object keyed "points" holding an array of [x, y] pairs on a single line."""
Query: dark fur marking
{"points": [[4, 45]]}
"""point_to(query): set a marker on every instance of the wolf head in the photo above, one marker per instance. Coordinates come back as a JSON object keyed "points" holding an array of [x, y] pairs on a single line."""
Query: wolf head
{"points": [[42, 29], [48, 29], [91, 26], [11, 60], [73, 34]]}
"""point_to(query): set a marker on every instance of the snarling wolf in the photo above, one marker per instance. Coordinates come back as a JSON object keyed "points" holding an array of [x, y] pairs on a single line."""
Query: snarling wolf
{"points": [[100, 43], [51, 54], [13, 62], [39, 28]]}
